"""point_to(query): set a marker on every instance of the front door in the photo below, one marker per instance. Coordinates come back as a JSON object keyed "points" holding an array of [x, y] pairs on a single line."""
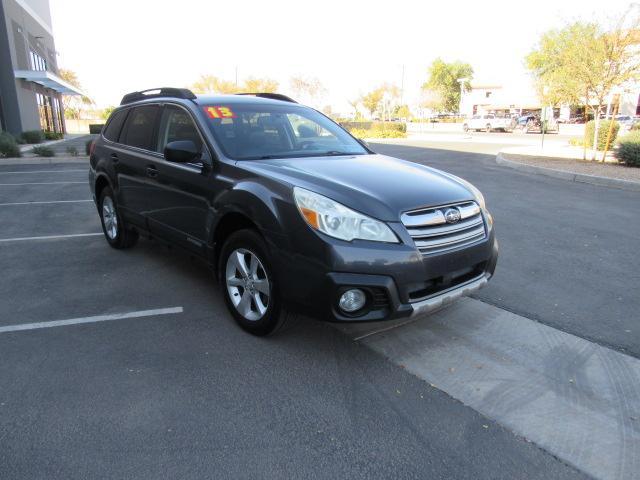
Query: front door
{"points": [[180, 202]]}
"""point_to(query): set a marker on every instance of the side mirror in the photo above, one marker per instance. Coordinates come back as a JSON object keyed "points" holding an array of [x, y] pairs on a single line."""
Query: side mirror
{"points": [[181, 151]]}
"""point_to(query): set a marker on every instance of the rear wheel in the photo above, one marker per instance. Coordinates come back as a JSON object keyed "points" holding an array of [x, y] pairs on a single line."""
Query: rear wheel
{"points": [[115, 230], [465, 127], [250, 287], [487, 128]]}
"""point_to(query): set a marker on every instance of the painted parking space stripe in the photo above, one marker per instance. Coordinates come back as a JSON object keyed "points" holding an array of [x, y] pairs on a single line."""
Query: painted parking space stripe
{"points": [[43, 203], [574, 398], [49, 237], [94, 319], [37, 183], [18, 172]]}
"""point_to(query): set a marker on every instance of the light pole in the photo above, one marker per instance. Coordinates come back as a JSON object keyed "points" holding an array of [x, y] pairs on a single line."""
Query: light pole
{"points": [[543, 122], [461, 82]]}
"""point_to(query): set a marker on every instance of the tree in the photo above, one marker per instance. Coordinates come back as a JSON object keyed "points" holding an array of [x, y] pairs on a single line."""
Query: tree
{"points": [[443, 79], [586, 62], [106, 112], [382, 100], [402, 111], [256, 85], [354, 103], [213, 84], [371, 101], [74, 105], [309, 88]]}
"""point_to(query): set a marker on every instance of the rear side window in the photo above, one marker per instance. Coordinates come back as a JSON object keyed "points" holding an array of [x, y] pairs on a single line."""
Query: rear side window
{"points": [[138, 131], [112, 130]]}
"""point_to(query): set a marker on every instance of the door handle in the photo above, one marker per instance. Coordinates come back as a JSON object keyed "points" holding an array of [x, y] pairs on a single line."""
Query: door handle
{"points": [[114, 158], [152, 171]]}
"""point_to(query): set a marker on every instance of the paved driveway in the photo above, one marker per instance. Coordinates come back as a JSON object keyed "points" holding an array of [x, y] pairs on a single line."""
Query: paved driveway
{"points": [[175, 390]]}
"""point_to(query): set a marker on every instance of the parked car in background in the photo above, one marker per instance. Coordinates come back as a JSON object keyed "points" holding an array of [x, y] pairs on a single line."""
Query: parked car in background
{"points": [[487, 122], [531, 123]]}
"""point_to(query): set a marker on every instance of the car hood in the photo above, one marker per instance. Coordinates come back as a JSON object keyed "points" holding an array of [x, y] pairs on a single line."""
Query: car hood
{"points": [[377, 185]]}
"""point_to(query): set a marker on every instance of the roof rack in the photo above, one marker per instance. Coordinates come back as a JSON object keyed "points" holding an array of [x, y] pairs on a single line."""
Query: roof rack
{"points": [[272, 96], [156, 93]]}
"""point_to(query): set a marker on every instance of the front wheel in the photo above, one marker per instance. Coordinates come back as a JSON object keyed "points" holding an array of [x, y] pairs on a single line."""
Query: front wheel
{"points": [[117, 233], [250, 287], [465, 127], [487, 128]]}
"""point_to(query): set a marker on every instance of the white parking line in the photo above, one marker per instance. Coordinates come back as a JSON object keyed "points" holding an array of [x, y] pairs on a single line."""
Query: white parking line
{"points": [[97, 318], [49, 237], [43, 203], [42, 171], [37, 183]]}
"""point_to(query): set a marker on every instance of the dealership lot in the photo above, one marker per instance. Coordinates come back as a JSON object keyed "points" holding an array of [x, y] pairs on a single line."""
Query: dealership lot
{"points": [[146, 375]]}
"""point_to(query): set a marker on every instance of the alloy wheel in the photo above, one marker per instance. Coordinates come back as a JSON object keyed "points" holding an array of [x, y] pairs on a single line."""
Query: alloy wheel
{"points": [[109, 218], [247, 284]]}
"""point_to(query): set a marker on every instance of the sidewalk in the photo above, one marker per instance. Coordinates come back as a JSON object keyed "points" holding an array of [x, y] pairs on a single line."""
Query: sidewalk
{"points": [[566, 162], [60, 147]]}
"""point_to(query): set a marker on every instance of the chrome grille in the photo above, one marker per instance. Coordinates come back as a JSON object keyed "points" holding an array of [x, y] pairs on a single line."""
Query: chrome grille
{"points": [[432, 234]]}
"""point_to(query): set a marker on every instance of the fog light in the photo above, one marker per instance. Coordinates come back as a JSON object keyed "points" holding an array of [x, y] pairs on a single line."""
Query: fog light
{"points": [[352, 300]]}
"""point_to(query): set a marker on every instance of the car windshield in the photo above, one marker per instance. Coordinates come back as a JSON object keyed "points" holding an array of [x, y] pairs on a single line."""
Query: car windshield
{"points": [[255, 131]]}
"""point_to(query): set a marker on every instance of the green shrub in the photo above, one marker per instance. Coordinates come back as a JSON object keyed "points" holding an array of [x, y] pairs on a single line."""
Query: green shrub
{"points": [[95, 128], [629, 149], [635, 126], [53, 135], [72, 151], [377, 132], [8, 145], [44, 151], [33, 136], [576, 142], [87, 147], [589, 131]]}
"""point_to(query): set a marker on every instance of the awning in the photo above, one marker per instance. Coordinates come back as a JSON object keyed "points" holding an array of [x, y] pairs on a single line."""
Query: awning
{"points": [[48, 80]]}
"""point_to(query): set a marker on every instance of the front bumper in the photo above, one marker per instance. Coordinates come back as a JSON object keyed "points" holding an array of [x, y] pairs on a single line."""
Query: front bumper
{"points": [[398, 280]]}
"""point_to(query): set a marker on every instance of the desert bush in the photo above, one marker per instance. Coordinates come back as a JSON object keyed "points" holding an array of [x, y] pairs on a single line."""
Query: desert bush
{"points": [[53, 135], [399, 126], [8, 145], [589, 131], [33, 136], [629, 149], [72, 151], [44, 151]]}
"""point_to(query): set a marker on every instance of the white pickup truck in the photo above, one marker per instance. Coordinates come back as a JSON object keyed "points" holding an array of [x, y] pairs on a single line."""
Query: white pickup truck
{"points": [[487, 122]]}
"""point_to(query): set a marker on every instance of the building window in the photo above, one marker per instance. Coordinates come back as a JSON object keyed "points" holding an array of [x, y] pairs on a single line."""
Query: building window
{"points": [[47, 122], [37, 62]]}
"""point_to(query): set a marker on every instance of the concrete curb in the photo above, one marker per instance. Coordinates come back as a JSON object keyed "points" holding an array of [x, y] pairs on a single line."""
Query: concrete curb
{"points": [[43, 161], [570, 176]]}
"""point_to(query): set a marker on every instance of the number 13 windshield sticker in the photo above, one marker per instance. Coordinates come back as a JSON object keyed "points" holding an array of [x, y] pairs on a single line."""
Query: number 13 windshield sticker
{"points": [[219, 112]]}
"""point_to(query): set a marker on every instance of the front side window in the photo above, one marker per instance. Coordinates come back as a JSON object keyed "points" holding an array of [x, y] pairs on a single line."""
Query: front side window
{"points": [[176, 124], [254, 131], [138, 131]]}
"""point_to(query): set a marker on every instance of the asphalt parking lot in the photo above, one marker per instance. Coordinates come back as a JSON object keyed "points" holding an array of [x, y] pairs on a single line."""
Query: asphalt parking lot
{"points": [[144, 375]]}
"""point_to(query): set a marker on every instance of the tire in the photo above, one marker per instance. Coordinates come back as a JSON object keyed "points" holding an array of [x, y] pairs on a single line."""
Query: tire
{"points": [[249, 286], [465, 128], [487, 128], [115, 230]]}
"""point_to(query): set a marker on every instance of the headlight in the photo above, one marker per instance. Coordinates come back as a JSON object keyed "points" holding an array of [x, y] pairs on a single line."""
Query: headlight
{"points": [[336, 220]]}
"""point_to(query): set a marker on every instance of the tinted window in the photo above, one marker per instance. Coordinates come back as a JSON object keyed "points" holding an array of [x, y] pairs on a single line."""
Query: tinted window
{"points": [[112, 130], [138, 131], [254, 131], [176, 124]]}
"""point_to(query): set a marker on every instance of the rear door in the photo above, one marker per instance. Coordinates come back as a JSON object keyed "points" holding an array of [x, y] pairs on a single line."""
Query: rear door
{"points": [[181, 198], [135, 159]]}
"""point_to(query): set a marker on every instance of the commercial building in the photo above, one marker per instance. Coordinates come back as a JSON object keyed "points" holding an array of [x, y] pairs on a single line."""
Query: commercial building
{"points": [[30, 86]]}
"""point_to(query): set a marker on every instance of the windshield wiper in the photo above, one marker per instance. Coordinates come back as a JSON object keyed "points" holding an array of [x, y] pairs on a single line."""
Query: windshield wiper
{"points": [[332, 153]]}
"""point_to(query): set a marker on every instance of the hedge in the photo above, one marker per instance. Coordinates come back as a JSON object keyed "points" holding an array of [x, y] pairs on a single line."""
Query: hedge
{"points": [[397, 126], [589, 131], [44, 151], [95, 128], [33, 136], [629, 149], [8, 145]]}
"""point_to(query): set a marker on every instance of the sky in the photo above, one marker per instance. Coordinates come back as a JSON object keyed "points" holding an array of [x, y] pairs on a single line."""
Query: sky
{"points": [[119, 46]]}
